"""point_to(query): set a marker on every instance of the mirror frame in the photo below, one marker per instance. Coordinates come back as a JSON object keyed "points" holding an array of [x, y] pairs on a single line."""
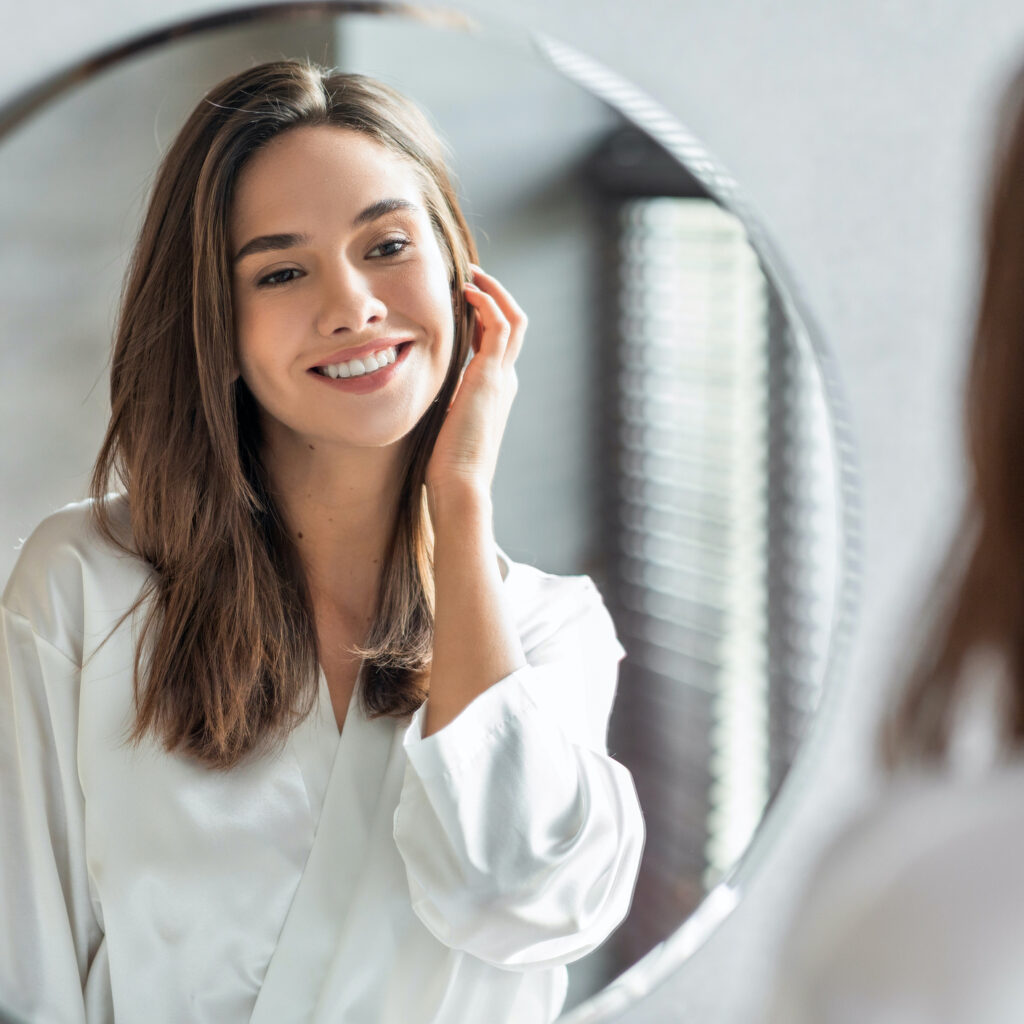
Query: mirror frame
{"points": [[646, 114]]}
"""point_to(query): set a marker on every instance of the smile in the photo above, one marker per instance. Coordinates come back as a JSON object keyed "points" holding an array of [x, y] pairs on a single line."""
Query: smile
{"points": [[359, 367], [367, 373]]}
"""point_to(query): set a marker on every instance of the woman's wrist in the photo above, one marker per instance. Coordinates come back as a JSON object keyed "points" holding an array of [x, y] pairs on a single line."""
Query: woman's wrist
{"points": [[459, 501], [469, 605]]}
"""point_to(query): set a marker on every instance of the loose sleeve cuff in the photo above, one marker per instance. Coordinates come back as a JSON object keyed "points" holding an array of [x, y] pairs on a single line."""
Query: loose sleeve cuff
{"points": [[450, 749]]}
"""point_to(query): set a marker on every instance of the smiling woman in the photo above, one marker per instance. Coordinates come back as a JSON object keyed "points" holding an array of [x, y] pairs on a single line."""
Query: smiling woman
{"points": [[367, 775]]}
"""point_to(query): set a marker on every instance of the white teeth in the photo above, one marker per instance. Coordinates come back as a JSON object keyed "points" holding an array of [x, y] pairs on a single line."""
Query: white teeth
{"points": [[358, 367]]}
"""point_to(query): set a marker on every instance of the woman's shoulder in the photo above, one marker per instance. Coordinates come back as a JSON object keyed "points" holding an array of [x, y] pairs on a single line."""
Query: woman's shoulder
{"points": [[545, 602], [925, 828], [922, 817], [66, 564], [72, 535], [925, 875], [532, 586]]}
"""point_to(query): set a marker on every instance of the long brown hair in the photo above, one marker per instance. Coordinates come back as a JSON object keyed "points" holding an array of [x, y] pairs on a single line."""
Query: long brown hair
{"points": [[227, 656], [981, 604]]}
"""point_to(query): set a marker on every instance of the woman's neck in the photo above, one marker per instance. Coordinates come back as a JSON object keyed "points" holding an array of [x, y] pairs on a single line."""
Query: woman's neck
{"points": [[339, 506]]}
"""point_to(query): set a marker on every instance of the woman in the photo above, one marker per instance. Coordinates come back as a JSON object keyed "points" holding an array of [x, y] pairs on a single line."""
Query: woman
{"points": [[915, 914], [286, 736]]}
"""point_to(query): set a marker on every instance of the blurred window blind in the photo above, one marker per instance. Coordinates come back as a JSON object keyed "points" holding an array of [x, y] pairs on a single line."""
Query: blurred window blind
{"points": [[694, 403], [719, 560], [689, 573]]}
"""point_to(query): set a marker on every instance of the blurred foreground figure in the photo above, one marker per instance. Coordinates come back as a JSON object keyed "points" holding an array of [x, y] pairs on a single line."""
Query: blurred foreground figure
{"points": [[917, 913]]}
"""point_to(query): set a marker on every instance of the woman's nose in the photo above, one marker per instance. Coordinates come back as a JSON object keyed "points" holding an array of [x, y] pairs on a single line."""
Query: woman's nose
{"points": [[348, 303]]}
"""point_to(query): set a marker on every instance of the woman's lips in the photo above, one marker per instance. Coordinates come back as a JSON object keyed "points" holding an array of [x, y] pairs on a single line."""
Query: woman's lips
{"points": [[367, 382], [346, 355]]}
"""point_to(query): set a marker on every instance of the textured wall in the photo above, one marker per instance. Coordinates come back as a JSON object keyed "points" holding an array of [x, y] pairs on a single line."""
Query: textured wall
{"points": [[858, 131]]}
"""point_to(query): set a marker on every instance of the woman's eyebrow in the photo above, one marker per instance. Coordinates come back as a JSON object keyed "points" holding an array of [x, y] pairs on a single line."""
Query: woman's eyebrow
{"points": [[268, 243], [381, 208]]}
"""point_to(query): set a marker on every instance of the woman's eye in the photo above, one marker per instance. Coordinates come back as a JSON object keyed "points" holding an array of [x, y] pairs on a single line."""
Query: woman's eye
{"points": [[278, 277], [390, 247]]}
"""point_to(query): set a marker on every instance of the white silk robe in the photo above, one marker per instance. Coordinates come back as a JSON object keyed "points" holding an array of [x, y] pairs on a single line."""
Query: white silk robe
{"points": [[373, 878]]}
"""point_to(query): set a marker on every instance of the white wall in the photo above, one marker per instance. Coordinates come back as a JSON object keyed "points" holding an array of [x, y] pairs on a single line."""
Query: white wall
{"points": [[858, 131]]}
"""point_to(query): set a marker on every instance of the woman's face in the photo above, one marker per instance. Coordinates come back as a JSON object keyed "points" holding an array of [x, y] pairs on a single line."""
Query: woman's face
{"points": [[335, 259]]}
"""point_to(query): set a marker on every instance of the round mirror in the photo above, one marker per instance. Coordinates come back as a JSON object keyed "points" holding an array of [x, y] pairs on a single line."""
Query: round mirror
{"points": [[675, 435]]}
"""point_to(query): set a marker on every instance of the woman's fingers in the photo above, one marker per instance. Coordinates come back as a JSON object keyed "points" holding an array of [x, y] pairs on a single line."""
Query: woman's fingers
{"points": [[501, 314], [493, 325], [492, 328], [495, 288]]}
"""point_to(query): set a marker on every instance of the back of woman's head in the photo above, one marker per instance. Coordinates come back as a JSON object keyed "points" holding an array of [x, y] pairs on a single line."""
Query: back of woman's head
{"points": [[980, 607], [231, 614]]}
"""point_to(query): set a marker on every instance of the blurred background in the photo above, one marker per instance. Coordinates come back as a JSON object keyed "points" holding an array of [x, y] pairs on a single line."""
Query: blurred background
{"points": [[857, 134]]}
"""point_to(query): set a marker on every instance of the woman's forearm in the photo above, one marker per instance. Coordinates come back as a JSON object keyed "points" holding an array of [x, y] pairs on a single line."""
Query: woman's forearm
{"points": [[476, 643]]}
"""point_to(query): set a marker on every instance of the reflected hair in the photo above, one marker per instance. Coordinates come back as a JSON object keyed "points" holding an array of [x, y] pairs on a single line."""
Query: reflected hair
{"points": [[979, 609], [227, 656]]}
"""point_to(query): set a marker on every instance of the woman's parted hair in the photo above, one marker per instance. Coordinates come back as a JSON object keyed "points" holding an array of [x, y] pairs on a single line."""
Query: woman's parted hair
{"points": [[227, 657]]}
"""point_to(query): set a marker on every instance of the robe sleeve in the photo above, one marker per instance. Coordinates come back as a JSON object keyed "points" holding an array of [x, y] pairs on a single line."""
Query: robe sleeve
{"points": [[49, 933], [521, 837]]}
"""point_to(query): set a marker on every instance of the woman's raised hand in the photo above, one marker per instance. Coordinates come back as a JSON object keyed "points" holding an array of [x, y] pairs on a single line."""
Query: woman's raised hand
{"points": [[466, 451]]}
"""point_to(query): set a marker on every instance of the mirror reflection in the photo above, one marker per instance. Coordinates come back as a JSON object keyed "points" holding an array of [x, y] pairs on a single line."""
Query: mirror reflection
{"points": [[670, 435]]}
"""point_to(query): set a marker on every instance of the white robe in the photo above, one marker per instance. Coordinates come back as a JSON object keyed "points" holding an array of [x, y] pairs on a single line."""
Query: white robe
{"points": [[915, 913], [378, 877]]}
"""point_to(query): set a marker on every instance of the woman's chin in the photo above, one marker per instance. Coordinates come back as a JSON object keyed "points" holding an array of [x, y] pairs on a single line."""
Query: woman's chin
{"points": [[367, 429], [365, 439]]}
